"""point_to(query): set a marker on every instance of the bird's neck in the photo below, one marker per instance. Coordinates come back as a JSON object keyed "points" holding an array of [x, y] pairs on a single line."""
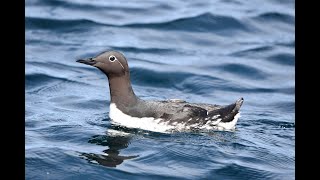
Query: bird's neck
{"points": [[121, 92]]}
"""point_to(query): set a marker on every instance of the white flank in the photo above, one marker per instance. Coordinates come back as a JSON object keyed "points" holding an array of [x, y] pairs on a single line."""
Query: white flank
{"points": [[146, 123], [152, 124], [229, 125]]}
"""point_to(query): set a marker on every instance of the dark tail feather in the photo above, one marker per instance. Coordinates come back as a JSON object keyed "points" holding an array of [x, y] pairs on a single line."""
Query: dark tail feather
{"points": [[228, 112]]}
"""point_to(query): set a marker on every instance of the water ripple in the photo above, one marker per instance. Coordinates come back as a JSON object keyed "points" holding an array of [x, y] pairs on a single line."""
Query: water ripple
{"points": [[243, 70], [206, 22], [59, 24], [283, 59], [276, 16]]}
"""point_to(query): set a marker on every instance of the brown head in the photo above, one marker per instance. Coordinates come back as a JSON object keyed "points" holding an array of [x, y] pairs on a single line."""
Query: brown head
{"points": [[115, 66], [112, 63]]}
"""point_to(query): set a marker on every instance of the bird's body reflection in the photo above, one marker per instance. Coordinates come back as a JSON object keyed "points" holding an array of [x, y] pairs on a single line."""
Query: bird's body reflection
{"points": [[110, 157]]}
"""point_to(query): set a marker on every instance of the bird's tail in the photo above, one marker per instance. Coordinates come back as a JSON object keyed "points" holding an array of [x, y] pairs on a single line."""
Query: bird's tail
{"points": [[227, 113]]}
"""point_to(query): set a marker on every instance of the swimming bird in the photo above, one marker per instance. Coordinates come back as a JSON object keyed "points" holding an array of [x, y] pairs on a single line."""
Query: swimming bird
{"points": [[126, 109]]}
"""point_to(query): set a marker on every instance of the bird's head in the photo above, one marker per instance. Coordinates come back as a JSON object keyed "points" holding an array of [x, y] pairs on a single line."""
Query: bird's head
{"points": [[112, 63]]}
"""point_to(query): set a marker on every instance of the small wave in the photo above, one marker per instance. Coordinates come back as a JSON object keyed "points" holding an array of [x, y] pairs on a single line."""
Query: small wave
{"points": [[285, 106], [89, 6], [278, 124], [232, 88], [243, 70], [206, 22], [51, 42], [45, 84], [77, 102], [198, 84], [283, 59], [276, 16], [251, 51], [236, 170], [38, 79], [59, 24], [143, 50], [58, 68], [202, 23], [33, 80], [201, 84], [55, 65], [290, 44]]}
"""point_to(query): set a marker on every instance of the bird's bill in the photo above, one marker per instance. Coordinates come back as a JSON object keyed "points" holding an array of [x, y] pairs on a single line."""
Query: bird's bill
{"points": [[89, 61]]}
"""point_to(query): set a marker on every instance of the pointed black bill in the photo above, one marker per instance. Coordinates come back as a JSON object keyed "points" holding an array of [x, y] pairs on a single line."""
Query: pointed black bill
{"points": [[89, 61]]}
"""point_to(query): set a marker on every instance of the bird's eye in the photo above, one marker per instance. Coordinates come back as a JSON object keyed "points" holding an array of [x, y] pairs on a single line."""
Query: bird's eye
{"points": [[112, 58]]}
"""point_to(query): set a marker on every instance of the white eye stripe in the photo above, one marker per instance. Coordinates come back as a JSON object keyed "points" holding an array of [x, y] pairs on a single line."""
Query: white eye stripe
{"points": [[121, 65], [112, 58]]}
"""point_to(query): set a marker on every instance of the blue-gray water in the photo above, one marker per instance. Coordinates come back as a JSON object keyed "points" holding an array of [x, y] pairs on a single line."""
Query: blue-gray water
{"points": [[200, 51]]}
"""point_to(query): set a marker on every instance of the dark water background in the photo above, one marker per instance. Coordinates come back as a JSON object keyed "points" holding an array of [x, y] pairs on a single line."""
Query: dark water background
{"points": [[200, 51]]}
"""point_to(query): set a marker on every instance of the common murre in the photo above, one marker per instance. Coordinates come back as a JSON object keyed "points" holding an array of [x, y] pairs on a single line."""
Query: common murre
{"points": [[128, 110]]}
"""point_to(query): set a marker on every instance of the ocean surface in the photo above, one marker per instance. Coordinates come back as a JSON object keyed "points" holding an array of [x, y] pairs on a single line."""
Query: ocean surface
{"points": [[200, 51]]}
